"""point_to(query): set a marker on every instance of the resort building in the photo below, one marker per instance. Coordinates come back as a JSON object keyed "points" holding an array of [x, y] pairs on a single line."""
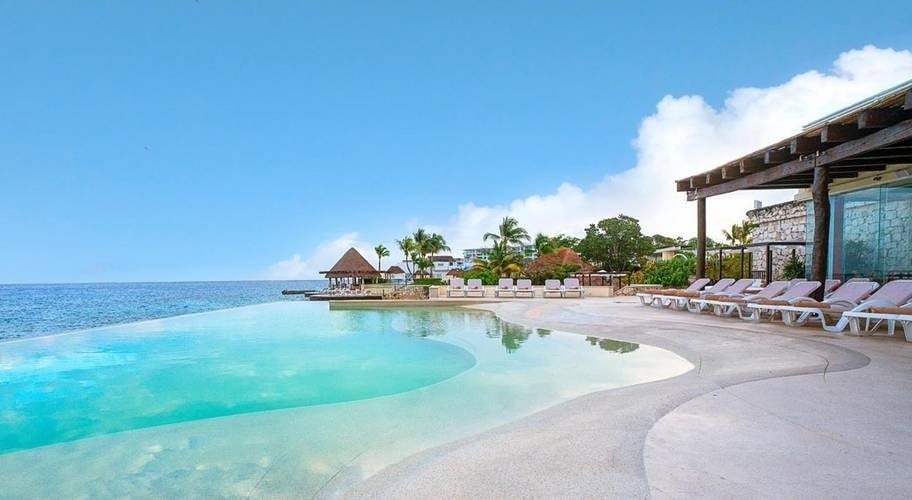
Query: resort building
{"points": [[443, 264], [853, 211], [470, 254]]}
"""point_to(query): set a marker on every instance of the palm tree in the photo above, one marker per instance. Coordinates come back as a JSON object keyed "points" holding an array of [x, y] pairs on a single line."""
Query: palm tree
{"points": [[503, 263], [543, 244], [407, 246], [382, 252], [436, 244], [740, 234], [421, 239], [509, 234]]}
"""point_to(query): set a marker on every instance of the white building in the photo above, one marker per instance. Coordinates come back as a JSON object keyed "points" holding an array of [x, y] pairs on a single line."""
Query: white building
{"points": [[470, 254], [444, 264]]}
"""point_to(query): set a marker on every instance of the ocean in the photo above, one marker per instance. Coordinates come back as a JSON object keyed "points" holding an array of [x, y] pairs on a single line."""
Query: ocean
{"points": [[34, 310]]}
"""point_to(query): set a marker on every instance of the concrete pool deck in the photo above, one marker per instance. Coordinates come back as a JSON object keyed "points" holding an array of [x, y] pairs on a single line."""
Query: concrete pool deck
{"points": [[767, 412]]}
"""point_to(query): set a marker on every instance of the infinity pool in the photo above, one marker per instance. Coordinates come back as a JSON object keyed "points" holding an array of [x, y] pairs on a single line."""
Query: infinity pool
{"points": [[279, 399]]}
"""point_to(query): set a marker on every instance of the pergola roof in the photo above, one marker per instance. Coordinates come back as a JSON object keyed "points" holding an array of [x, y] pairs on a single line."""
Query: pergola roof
{"points": [[865, 137], [352, 264]]}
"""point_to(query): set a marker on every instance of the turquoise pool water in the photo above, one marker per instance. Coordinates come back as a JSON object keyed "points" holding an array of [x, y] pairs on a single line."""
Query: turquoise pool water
{"points": [[278, 399]]}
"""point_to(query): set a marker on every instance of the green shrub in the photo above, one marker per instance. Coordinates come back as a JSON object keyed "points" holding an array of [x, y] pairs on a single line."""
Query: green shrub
{"points": [[731, 266], [674, 272], [486, 276], [794, 268]]}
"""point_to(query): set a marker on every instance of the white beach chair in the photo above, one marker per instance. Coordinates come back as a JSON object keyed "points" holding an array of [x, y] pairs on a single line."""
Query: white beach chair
{"points": [[682, 298], [553, 287], [524, 286], [505, 286], [456, 287], [797, 292], [656, 297], [799, 311], [726, 305], [830, 286], [698, 305], [876, 316], [888, 297], [572, 285], [475, 286]]}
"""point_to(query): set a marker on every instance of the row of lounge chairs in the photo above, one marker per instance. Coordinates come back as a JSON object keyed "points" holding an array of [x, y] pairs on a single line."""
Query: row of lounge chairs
{"points": [[521, 288], [862, 305]]}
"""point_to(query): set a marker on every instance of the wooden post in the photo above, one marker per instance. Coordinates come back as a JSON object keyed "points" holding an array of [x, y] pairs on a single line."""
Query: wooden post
{"points": [[820, 251], [701, 238]]}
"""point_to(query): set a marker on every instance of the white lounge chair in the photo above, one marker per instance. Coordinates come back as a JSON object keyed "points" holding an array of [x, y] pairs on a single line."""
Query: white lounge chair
{"points": [[572, 285], [475, 286], [799, 312], [656, 297], [456, 287], [797, 292], [552, 287], [736, 289], [876, 316], [505, 286], [889, 296], [682, 298], [726, 305], [830, 286], [524, 286]]}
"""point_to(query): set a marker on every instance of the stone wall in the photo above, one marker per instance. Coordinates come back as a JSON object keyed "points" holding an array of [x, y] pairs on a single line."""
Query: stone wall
{"points": [[782, 222]]}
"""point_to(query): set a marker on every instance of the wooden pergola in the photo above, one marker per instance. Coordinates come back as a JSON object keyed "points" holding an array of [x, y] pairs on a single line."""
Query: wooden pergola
{"points": [[350, 270], [869, 136]]}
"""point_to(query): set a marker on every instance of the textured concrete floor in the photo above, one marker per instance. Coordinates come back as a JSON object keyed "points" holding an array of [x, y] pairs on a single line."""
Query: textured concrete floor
{"points": [[768, 412]]}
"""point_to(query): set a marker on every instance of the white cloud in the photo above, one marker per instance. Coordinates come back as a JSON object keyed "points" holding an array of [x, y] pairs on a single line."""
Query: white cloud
{"points": [[686, 135], [321, 259]]}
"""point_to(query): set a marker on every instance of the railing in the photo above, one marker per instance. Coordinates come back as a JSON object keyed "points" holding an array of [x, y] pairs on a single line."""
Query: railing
{"points": [[764, 275]]}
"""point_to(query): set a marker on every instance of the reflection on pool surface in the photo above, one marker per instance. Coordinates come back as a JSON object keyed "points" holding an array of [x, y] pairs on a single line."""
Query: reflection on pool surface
{"points": [[302, 395]]}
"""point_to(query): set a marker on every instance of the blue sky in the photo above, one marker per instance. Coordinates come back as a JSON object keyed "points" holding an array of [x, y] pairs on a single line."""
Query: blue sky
{"points": [[186, 141]]}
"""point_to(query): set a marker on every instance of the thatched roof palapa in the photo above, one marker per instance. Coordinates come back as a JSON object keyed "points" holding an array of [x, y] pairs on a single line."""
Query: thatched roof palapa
{"points": [[395, 270], [560, 257], [352, 264]]}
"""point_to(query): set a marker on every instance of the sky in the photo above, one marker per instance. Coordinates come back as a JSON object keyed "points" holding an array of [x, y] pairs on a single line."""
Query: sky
{"points": [[184, 140]]}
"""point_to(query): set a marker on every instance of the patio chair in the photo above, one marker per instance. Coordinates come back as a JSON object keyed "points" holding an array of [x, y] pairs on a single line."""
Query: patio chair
{"points": [[883, 301], [650, 298], [505, 285], [799, 311], [572, 285], [456, 287], [552, 287], [735, 290], [876, 316], [681, 299], [726, 305], [524, 286], [797, 292], [475, 286], [830, 286]]}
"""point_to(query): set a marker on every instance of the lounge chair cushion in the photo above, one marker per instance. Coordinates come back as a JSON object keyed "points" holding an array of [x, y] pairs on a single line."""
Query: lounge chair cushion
{"points": [[891, 310]]}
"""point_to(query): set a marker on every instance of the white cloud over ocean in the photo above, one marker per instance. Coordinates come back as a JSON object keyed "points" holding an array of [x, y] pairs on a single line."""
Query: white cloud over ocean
{"points": [[321, 259], [683, 136]]}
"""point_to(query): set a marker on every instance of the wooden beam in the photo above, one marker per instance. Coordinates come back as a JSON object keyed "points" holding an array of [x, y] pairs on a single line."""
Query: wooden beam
{"points": [[701, 238], [821, 241], [697, 181], [713, 177], [803, 145], [731, 172], [834, 134], [879, 117], [751, 165], [777, 156], [683, 185], [900, 132]]}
